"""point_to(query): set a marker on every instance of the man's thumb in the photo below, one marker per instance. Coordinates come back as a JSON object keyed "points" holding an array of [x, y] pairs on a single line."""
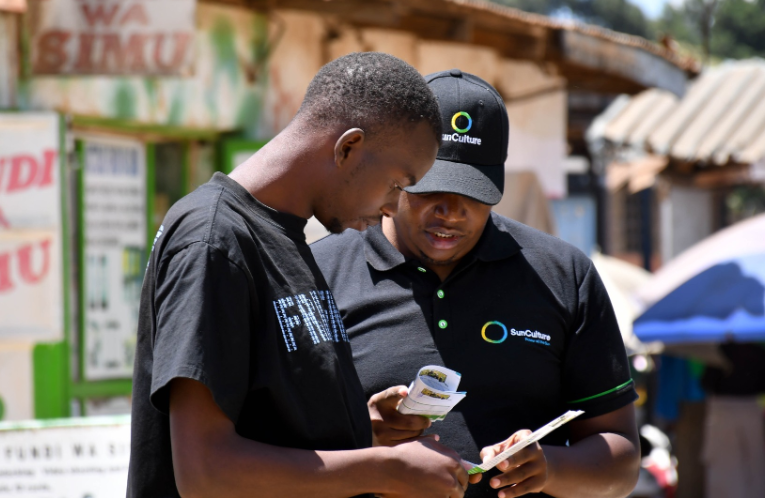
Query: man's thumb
{"points": [[392, 395]]}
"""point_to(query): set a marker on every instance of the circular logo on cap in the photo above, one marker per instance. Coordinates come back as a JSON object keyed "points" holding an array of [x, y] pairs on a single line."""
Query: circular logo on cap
{"points": [[454, 122]]}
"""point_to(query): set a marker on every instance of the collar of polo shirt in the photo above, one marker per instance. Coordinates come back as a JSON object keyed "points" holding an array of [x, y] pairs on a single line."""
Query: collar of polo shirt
{"points": [[495, 244]]}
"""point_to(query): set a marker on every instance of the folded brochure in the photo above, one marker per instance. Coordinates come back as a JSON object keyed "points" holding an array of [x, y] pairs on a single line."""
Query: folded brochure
{"points": [[530, 439], [433, 393]]}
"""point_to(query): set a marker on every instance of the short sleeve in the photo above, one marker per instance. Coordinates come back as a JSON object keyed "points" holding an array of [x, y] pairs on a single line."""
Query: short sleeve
{"points": [[596, 374], [203, 327]]}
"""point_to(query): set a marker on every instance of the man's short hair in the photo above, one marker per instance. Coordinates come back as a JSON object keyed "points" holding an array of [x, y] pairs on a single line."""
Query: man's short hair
{"points": [[371, 91]]}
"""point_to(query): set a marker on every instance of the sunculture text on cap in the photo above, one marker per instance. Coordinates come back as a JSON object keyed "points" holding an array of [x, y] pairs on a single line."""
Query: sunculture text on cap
{"points": [[471, 160]]}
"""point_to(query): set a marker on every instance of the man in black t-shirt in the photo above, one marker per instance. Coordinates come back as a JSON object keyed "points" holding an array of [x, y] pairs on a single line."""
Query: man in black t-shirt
{"points": [[244, 383], [522, 315]]}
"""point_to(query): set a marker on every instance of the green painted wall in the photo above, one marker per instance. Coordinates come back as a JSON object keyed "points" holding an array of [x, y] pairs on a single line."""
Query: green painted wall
{"points": [[50, 363]]}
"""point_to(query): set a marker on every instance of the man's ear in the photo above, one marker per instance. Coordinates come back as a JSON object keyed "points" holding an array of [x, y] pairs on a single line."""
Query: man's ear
{"points": [[348, 143]]}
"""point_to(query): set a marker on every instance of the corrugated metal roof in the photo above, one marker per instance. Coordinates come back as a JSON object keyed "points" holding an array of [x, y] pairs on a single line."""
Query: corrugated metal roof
{"points": [[748, 94], [686, 63], [661, 108], [588, 57], [642, 115], [720, 120]]}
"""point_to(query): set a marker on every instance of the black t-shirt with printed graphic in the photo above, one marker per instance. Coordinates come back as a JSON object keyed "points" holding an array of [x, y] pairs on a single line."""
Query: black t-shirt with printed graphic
{"points": [[524, 318], [233, 298]]}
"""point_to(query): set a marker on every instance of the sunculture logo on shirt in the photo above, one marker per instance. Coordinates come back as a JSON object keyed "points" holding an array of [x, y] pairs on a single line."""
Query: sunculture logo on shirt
{"points": [[532, 336], [456, 137], [491, 334]]}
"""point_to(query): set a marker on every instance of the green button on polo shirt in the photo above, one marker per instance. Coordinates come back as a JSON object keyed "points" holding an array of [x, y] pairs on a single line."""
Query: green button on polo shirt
{"points": [[440, 294], [442, 324]]}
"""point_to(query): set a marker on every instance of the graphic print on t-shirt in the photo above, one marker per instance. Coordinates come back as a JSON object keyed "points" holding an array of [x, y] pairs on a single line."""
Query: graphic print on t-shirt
{"points": [[317, 312]]}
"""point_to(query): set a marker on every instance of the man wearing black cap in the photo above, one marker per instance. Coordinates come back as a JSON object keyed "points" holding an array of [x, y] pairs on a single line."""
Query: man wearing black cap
{"points": [[522, 315]]}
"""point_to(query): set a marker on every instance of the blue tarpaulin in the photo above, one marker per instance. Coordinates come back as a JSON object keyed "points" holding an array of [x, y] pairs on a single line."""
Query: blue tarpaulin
{"points": [[724, 302]]}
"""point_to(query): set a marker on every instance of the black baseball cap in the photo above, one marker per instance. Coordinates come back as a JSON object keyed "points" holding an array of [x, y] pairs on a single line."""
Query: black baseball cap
{"points": [[471, 160]]}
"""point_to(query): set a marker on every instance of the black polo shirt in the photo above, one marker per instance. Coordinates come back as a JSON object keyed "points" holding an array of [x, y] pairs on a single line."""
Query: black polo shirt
{"points": [[524, 317]]}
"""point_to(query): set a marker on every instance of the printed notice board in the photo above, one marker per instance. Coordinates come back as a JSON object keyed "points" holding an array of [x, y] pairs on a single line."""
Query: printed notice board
{"points": [[114, 248], [72, 458]]}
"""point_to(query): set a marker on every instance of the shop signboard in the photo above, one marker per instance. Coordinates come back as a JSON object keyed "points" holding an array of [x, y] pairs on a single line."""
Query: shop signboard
{"points": [[31, 288], [138, 37], [72, 458], [114, 212]]}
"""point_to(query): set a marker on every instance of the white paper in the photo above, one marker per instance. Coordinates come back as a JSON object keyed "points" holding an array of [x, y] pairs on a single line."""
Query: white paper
{"points": [[530, 439], [433, 393]]}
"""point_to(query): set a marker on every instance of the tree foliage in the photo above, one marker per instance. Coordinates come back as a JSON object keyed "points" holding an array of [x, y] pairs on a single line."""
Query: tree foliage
{"points": [[739, 29], [719, 28], [619, 15]]}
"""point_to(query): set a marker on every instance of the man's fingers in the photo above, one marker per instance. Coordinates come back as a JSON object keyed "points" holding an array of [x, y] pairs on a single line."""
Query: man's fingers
{"points": [[391, 396], [397, 422], [397, 435], [382, 407], [462, 477], [475, 478], [531, 485], [407, 422], [430, 437], [525, 455], [518, 474], [518, 436], [492, 451]]}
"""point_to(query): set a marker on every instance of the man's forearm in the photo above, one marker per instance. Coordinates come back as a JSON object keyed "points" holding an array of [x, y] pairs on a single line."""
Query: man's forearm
{"points": [[599, 466], [211, 459], [245, 468]]}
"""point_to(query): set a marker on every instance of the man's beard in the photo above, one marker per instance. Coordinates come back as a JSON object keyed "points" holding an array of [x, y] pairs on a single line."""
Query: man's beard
{"points": [[334, 226], [443, 262]]}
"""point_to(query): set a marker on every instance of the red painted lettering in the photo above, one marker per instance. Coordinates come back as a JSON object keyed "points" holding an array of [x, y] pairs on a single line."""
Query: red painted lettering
{"points": [[111, 52], [51, 52], [21, 177], [3, 222], [134, 53], [99, 13], [49, 164], [25, 262], [5, 272], [135, 14], [182, 45], [115, 57], [84, 62]]}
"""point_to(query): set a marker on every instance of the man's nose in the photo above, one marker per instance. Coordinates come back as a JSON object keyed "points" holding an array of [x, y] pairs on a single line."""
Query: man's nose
{"points": [[450, 208], [390, 208]]}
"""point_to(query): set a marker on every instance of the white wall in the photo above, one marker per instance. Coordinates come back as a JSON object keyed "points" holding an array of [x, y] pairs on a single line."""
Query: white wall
{"points": [[16, 380], [537, 109], [686, 218]]}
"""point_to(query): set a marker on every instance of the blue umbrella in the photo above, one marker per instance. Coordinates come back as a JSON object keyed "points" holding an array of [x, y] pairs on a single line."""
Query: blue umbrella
{"points": [[723, 302]]}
